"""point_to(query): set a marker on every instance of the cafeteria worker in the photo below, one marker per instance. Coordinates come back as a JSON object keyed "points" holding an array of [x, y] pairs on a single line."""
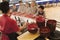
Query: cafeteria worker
{"points": [[8, 26]]}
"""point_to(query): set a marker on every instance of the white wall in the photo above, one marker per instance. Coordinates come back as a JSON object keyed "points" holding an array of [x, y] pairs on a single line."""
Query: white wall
{"points": [[0, 0]]}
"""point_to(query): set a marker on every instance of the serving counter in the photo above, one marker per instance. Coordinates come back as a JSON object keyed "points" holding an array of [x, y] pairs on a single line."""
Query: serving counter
{"points": [[28, 36]]}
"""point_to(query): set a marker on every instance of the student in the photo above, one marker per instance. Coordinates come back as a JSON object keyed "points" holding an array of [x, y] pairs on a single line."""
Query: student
{"points": [[8, 26], [14, 8], [21, 8], [40, 11], [33, 7], [27, 7]]}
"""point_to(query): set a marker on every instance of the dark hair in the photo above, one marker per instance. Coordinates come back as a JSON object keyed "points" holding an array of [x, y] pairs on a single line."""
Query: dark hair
{"points": [[4, 7], [42, 7], [20, 2]]}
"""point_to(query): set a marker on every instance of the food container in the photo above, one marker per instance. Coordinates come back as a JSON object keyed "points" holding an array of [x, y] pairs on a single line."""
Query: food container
{"points": [[52, 25], [32, 28], [44, 32], [40, 20]]}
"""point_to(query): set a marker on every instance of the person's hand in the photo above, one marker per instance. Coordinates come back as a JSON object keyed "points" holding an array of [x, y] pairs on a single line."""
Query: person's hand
{"points": [[23, 27], [33, 16], [19, 33]]}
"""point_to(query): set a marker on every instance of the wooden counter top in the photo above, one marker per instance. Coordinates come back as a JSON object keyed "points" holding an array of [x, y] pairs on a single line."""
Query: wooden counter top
{"points": [[28, 36]]}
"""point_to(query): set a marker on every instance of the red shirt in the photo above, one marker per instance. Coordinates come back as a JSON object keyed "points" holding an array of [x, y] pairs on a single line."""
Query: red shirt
{"points": [[4, 37], [8, 25]]}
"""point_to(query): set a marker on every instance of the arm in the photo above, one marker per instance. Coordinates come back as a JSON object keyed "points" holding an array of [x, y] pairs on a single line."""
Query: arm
{"points": [[18, 9], [44, 15]]}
